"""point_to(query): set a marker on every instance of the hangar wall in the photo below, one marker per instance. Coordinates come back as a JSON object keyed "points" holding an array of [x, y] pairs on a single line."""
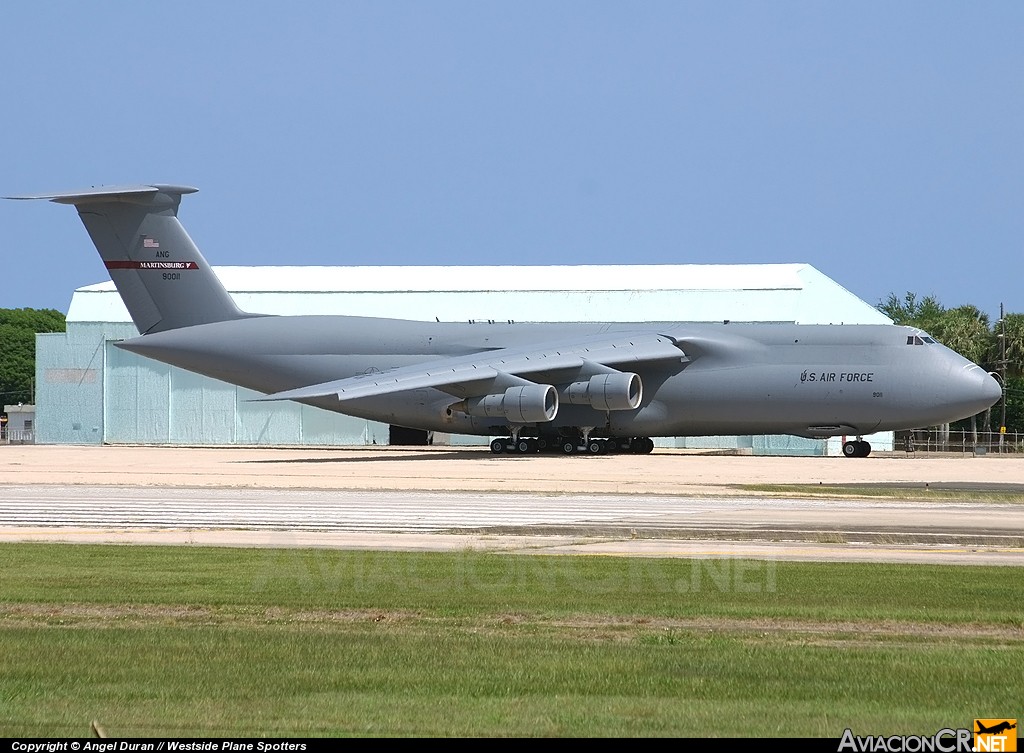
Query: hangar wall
{"points": [[91, 392]]}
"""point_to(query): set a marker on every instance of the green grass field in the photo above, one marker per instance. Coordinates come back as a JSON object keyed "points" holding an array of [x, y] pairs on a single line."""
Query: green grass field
{"points": [[206, 642]]}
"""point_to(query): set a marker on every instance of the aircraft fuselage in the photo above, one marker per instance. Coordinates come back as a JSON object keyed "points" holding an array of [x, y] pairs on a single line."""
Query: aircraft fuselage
{"points": [[808, 380]]}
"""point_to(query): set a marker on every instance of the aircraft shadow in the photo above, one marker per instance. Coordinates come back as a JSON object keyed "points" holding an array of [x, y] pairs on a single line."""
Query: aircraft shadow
{"points": [[387, 456]]}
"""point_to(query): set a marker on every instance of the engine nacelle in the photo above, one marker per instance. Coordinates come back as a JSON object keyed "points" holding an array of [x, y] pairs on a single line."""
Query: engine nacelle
{"points": [[619, 391], [533, 403]]}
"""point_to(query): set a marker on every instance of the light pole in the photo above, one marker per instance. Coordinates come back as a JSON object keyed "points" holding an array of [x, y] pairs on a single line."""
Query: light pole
{"points": [[1002, 371]]}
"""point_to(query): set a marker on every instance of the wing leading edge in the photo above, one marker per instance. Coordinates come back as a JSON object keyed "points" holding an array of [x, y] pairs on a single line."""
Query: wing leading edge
{"points": [[488, 373]]}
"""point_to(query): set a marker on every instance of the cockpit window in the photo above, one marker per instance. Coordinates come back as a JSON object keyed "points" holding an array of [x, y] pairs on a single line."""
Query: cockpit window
{"points": [[929, 340], [918, 340]]}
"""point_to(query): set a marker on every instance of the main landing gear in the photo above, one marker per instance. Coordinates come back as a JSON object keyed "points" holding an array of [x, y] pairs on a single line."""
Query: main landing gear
{"points": [[521, 446], [856, 448], [573, 445]]}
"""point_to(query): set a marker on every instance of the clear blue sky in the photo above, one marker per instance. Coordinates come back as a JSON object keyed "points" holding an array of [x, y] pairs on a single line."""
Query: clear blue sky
{"points": [[881, 142]]}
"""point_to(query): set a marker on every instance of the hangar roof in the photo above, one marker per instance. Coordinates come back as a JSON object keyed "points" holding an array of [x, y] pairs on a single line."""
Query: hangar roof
{"points": [[671, 292]]}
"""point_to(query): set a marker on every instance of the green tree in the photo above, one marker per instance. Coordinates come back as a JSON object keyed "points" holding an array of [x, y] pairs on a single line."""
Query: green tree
{"points": [[965, 329], [923, 313], [1013, 328], [18, 328], [1014, 404], [1010, 329]]}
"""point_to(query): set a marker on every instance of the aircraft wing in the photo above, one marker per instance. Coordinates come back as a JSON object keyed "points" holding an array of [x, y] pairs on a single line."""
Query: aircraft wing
{"points": [[473, 374]]}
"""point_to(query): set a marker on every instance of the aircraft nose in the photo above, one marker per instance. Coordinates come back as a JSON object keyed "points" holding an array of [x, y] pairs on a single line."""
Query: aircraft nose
{"points": [[993, 390], [977, 390]]}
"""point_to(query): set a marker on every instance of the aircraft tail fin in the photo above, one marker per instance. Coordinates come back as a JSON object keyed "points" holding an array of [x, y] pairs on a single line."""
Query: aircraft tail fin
{"points": [[162, 278]]}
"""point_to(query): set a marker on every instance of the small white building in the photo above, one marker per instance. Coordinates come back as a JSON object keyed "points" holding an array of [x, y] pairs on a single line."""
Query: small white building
{"points": [[91, 392], [19, 428]]}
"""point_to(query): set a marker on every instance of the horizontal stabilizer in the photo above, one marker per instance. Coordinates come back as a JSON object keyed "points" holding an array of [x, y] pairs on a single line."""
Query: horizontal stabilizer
{"points": [[106, 193]]}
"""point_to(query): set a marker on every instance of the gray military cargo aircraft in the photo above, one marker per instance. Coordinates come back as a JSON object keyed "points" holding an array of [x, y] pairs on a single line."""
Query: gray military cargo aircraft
{"points": [[580, 387]]}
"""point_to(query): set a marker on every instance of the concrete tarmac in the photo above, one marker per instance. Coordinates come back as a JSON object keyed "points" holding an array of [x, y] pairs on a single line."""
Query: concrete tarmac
{"points": [[676, 472], [671, 503]]}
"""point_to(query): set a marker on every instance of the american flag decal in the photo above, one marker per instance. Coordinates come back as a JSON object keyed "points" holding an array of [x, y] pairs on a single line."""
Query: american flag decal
{"points": [[150, 243]]}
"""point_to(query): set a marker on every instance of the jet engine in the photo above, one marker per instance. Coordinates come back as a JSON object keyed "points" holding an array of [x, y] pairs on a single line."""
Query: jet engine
{"points": [[534, 403], [619, 391]]}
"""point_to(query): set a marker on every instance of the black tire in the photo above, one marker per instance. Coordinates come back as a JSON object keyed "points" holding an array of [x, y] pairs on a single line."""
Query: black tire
{"points": [[523, 446], [865, 449], [851, 449], [568, 447], [498, 446], [594, 447]]}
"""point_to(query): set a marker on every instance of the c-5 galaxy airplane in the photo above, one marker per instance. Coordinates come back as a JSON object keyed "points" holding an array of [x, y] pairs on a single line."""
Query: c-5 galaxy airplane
{"points": [[581, 387]]}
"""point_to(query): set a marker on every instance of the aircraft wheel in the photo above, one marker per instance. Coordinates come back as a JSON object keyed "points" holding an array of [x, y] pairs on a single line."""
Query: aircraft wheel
{"points": [[851, 450], [594, 447], [498, 446], [644, 445], [568, 447], [865, 449], [523, 446], [542, 445]]}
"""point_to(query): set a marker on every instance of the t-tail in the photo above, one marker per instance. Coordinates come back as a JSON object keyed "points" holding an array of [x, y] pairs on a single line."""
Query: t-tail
{"points": [[164, 281]]}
